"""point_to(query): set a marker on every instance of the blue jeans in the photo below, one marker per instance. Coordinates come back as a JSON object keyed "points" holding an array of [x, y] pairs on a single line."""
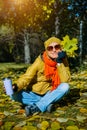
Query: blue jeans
{"points": [[42, 101]]}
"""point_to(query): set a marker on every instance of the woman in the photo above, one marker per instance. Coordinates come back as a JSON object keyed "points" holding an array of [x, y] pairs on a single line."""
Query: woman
{"points": [[42, 80]]}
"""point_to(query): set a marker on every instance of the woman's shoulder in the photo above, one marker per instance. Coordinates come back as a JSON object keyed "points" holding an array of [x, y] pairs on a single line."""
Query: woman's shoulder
{"points": [[39, 58]]}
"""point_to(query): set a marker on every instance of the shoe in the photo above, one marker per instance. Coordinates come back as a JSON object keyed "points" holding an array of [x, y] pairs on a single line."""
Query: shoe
{"points": [[50, 108], [31, 109], [27, 110]]}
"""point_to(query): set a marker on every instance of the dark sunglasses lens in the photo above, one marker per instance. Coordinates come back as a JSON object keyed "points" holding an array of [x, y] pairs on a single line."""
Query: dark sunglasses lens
{"points": [[57, 47], [50, 48]]}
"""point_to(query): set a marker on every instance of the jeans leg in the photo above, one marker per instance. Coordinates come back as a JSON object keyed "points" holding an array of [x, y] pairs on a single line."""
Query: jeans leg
{"points": [[53, 96], [30, 98], [17, 96], [26, 98]]}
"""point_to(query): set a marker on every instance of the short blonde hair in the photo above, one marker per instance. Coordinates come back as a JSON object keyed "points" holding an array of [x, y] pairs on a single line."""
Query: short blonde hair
{"points": [[51, 40]]}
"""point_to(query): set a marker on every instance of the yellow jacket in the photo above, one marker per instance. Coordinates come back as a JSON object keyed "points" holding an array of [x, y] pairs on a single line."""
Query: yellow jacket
{"points": [[35, 80]]}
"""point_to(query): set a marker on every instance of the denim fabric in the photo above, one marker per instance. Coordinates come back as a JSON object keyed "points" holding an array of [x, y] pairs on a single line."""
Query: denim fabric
{"points": [[26, 98], [44, 101], [53, 96]]}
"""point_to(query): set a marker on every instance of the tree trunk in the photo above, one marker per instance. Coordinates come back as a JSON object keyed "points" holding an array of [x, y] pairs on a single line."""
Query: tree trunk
{"points": [[27, 57], [56, 21], [80, 42], [56, 26]]}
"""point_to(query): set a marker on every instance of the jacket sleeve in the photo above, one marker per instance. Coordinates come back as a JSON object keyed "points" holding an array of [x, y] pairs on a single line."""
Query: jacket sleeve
{"points": [[26, 78], [64, 71]]}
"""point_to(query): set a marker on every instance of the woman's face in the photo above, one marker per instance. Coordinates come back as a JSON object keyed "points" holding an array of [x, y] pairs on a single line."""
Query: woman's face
{"points": [[53, 49]]}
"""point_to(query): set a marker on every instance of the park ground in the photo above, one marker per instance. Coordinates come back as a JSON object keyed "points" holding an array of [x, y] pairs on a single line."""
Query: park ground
{"points": [[69, 114]]}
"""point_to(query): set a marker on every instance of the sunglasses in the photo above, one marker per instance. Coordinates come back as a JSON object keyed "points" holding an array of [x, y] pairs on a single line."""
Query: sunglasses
{"points": [[50, 48]]}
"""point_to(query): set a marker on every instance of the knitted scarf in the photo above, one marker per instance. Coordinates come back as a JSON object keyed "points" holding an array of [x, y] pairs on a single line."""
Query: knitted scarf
{"points": [[51, 71]]}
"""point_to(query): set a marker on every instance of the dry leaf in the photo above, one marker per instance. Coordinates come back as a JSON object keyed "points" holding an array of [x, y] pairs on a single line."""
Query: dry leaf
{"points": [[29, 128], [44, 125], [72, 128], [21, 111], [83, 110], [60, 119], [55, 125], [81, 118], [22, 123]]}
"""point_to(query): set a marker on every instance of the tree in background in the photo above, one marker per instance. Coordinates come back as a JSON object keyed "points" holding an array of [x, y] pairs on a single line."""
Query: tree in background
{"points": [[26, 15], [78, 8], [45, 17], [75, 17], [6, 42]]}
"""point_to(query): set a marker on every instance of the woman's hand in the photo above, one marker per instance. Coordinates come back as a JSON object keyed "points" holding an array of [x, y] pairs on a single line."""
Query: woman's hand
{"points": [[15, 87], [61, 55]]}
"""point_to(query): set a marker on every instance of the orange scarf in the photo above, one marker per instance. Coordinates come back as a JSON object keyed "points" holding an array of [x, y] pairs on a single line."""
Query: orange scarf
{"points": [[51, 71]]}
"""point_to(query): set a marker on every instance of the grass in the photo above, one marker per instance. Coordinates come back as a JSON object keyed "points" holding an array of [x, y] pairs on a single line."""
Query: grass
{"points": [[15, 66]]}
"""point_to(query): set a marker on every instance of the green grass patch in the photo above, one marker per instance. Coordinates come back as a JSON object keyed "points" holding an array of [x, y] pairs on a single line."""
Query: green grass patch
{"points": [[5, 66]]}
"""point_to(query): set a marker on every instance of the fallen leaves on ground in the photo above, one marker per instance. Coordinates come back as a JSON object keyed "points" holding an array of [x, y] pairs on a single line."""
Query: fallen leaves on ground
{"points": [[69, 114]]}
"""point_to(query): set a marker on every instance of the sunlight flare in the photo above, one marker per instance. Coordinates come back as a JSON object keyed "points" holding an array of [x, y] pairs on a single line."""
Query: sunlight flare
{"points": [[18, 2]]}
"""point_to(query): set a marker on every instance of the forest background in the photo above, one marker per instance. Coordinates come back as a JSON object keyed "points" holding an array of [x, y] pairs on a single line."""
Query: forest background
{"points": [[25, 25]]}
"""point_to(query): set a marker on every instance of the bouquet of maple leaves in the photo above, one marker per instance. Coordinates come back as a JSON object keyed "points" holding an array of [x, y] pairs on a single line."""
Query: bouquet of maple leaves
{"points": [[70, 46]]}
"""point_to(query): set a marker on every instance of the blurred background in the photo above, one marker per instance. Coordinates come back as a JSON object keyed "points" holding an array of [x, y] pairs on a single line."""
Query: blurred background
{"points": [[26, 24]]}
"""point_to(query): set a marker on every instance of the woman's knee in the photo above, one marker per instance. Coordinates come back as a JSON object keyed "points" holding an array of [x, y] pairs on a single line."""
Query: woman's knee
{"points": [[66, 87]]}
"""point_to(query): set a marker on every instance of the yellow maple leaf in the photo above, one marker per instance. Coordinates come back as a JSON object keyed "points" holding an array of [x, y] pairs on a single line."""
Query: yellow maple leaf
{"points": [[69, 45], [72, 128], [44, 125], [83, 110]]}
